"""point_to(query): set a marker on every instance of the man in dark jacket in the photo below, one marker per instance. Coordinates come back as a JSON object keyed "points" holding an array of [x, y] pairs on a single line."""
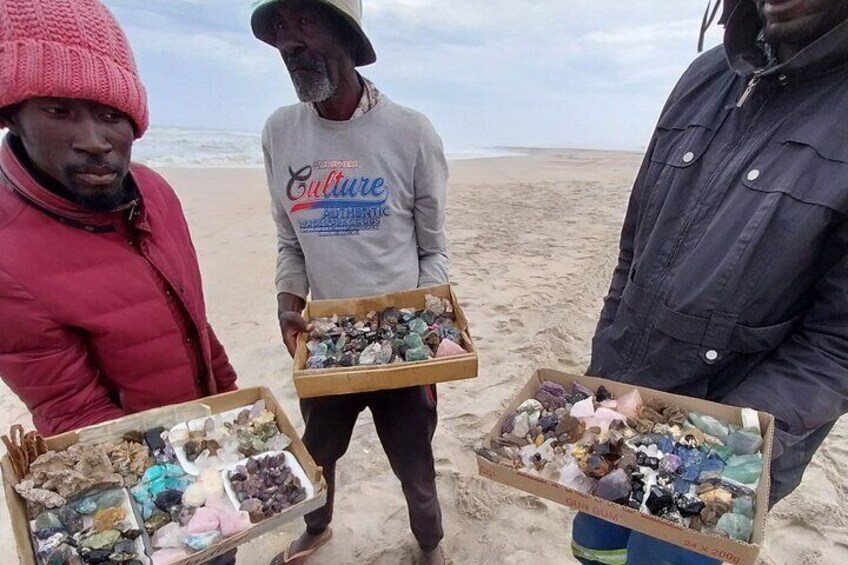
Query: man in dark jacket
{"points": [[732, 282]]}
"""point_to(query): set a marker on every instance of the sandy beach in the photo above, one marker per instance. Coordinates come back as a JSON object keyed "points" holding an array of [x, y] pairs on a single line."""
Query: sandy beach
{"points": [[533, 241]]}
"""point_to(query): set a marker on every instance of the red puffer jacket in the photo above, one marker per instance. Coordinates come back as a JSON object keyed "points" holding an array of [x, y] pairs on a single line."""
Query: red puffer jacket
{"points": [[100, 317]]}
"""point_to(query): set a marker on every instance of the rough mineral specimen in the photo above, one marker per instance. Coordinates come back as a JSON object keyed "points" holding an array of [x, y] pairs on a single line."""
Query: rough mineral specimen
{"points": [[736, 526], [269, 480], [615, 486]]}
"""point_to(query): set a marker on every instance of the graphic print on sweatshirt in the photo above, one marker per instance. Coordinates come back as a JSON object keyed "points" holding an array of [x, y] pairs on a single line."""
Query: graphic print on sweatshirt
{"points": [[330, 198]]}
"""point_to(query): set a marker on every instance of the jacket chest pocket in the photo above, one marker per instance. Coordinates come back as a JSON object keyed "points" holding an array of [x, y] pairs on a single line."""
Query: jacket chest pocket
{"points": [[678, 158], [807, 166]]}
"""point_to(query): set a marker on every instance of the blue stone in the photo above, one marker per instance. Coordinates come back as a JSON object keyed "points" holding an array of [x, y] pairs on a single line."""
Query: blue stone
{"points": [[711, 469], [682, 486], [154, 473], [173, 471], [86, 506], [692, 460], [666, 445]]}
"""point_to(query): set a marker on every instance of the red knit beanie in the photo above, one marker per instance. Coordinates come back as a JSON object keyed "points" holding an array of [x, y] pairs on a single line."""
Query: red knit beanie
{"points": [[68, 49]]}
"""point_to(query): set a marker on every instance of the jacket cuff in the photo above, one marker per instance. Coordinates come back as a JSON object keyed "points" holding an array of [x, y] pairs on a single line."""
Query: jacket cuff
{"points": [[297, 287]]}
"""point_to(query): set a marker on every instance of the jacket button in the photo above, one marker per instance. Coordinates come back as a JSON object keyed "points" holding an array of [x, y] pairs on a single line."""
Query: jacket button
{"points": [[754, 175], [711, 355], [689, 157]]}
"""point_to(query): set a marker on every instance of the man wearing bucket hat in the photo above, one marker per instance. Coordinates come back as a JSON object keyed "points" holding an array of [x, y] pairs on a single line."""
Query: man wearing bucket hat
{"points": [[358, 189], [101, 303], [732, 282]]}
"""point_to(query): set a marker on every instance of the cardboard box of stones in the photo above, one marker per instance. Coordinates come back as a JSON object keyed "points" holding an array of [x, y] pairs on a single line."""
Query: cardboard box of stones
{"points": [[176, 485], [398, 340], [687, 471]]}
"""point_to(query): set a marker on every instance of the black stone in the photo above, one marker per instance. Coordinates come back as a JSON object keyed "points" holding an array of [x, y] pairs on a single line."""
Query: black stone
{"points": [[603, 394], [660, 500], [168, 499], [154, 439], [689, 505]]}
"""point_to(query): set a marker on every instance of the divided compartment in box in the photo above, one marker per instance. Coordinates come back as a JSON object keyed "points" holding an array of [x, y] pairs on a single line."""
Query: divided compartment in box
{"points": [[295, 467], [131, 521], [726, 550], [197, 424], [168, 417], [348, 380]]}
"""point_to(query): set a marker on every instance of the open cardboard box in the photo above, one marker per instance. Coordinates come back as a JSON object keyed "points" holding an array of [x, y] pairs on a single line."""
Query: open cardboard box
{"points": [[727, 550], [168, 417], [348, 380]]}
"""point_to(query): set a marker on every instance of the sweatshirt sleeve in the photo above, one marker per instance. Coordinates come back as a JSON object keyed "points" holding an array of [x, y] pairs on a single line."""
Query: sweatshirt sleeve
{"points": [[291, 264], [47, 366], [431, 179]]}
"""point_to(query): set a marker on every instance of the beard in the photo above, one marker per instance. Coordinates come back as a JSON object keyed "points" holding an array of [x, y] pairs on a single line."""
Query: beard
{"points": [[810, 21], [101, 199], [311, 78], [105, 201]]}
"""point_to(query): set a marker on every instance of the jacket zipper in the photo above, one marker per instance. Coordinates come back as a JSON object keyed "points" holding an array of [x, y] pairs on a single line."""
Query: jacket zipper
{"points": [[752, 85]]}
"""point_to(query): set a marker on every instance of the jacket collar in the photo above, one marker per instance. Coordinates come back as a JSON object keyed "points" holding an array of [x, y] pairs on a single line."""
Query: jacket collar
{"points": [[22, 182], [746, 53]]}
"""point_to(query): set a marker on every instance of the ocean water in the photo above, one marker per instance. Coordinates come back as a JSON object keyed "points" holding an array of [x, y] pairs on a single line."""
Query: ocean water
{"points": [[181, 147]]}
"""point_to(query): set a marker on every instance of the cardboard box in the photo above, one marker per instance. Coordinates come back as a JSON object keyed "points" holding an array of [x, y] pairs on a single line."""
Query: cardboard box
{"points": [[348, 380], [727, 550], [167, 417]]}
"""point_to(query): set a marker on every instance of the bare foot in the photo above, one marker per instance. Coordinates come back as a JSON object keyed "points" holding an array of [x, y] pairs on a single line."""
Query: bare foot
{"points": [[434, 557], [302, 548]]}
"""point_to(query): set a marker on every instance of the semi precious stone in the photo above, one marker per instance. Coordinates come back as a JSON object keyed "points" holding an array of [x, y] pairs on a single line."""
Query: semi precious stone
{"points": [[744, 505], [711, 469], [659, 500], [745, 469], [168, 556], [614, 486], [418, 354], [572, 477], [200, 542], [689, 505], [671, 463], [233, 523], [204, 520], [630, 404], [691, 459], [583, 409], [103, 540], [448, 348], [709, 425], [745, 442], [170, 535], [736, 526], [108, 518]]}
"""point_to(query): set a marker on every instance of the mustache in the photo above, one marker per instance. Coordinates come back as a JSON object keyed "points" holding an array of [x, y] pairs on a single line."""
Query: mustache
{"points": [[94, 166], [303, 61]]}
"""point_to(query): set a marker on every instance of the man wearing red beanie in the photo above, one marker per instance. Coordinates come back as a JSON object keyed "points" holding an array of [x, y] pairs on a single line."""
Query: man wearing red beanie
{"points": [[101, 302]]}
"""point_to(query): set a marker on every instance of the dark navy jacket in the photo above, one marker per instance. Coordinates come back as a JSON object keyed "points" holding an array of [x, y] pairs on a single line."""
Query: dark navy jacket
{"points": [[732, 281]]}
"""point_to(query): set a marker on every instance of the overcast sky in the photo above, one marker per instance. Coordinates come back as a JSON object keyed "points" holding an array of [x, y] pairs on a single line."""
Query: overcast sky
{"points": [[565, 73]]}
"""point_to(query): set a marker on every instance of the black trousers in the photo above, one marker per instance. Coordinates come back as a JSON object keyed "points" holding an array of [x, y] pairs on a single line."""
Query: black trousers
{"points": [[406, 421]]}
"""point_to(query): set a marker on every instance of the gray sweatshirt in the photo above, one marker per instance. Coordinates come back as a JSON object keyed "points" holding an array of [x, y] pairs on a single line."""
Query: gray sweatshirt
{"points": [[359, 205]]}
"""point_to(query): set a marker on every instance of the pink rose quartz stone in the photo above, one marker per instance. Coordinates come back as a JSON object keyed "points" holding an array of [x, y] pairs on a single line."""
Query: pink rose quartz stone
{"points": [[449, 349], [584, 408], [630, 403], [603, 418], [169, 556], [233, 523], [206, 519], [170, 535]]}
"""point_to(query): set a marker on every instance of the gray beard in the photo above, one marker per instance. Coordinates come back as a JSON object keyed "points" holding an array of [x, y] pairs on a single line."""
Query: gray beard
{"points": [[314, 87]]}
